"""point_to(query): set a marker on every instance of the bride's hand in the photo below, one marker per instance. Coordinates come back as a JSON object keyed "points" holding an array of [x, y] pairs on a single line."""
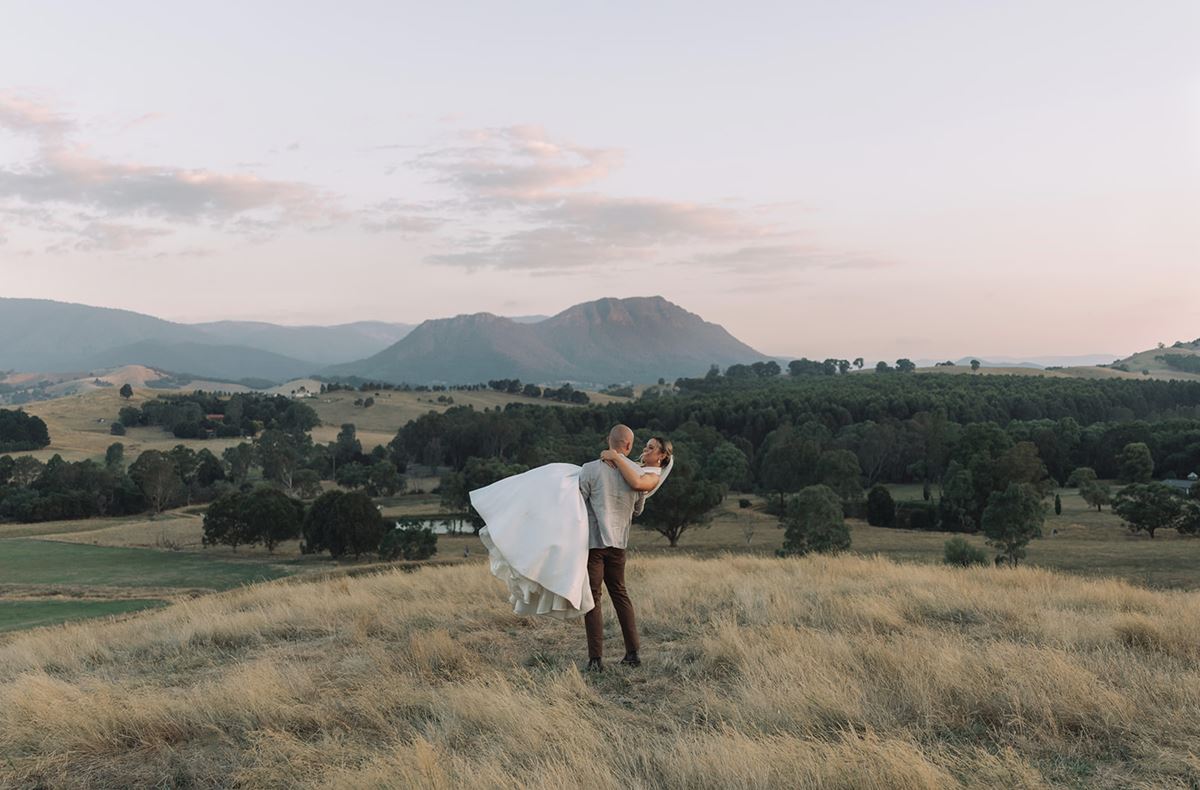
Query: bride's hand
{"points": [[608, 456]]}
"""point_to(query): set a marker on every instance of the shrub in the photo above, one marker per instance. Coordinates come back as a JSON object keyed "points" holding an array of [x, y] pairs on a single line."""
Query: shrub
{"points": [[20, 431], [813, 521], [881, 508], [116, 429], [957, 551], [744, 503]]}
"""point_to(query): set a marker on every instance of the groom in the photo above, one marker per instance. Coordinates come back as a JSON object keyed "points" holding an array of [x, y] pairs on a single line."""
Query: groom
{"points": [[611, 506]]}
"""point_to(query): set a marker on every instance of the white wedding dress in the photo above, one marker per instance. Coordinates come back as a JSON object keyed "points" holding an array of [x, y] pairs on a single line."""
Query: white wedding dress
{"points": [[537, 539]]}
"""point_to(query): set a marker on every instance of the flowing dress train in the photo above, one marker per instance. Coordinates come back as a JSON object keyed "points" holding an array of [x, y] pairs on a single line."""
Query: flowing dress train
{"points": [[537, 540]]}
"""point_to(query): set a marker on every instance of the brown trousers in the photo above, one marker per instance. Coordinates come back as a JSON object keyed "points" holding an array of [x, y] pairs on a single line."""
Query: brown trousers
{"points": [[608, 565]]}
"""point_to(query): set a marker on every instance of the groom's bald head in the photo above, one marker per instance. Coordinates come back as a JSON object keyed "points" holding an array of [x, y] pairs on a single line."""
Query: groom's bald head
{"points": [[620, 439]]}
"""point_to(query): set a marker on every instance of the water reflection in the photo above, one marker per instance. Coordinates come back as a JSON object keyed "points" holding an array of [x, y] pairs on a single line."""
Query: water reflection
{"points": [[441, 525]]}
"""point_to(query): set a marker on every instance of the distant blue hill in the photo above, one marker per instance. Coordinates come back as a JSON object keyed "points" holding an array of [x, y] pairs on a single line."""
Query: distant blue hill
{"points": [[1038, 362]]}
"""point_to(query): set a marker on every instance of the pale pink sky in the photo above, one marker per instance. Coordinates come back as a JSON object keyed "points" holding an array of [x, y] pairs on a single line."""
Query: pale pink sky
{"points": [[921, 179]]}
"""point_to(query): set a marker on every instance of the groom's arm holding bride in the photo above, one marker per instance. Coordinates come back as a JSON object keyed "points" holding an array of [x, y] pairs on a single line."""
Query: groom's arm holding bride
{"points": [[631, 473], [637, 476]]}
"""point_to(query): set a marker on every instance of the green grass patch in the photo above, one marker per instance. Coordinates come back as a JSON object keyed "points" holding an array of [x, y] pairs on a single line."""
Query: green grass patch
{"points": [[48, 562], [17, 615]]}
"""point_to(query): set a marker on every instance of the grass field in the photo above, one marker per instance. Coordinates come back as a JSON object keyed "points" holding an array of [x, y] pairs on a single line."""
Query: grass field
{"points": [[104, 558], [17, 615], [45, 582], [43, 562], [814, 673]]}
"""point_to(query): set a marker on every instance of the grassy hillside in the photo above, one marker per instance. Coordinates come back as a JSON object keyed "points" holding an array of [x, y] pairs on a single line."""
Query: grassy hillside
{"points": [[379, 423], [1080, 372], [1147, 360], [843, 672], [79, 424], [1142, 365]]}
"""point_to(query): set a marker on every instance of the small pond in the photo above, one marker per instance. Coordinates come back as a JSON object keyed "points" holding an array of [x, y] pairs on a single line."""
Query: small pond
{"points": [[441, 525]]}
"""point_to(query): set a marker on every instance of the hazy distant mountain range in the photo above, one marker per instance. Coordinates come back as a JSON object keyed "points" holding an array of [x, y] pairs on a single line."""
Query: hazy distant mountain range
{"points": [[48, 336], [324, 344], [1027, 362], [606, 341], [609, 340]]}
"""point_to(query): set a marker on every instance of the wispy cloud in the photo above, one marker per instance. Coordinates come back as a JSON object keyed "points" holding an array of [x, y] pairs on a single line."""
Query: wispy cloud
{"points": [[544, 196], [112, 236], [400, 216], [516, 163], [143, 119], [789, 257], [64, 175]]}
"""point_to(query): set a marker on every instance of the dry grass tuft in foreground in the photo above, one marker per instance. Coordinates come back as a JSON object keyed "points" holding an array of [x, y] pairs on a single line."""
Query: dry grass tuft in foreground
{"points": [[823, 673]]}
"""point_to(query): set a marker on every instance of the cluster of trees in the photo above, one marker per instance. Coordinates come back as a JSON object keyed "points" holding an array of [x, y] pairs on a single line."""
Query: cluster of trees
{"points": [[263, 515], [338, 522], [292, 461], [564, 394], [813, 521], [20, 431], [33, 491], [903, 365], [829, 367], [356, 384], [900, 429], [201, 415], [1150, 507], [757, 370], [1188, 363], [374, 472], [965, 438], [288, 459], [805, 367]]}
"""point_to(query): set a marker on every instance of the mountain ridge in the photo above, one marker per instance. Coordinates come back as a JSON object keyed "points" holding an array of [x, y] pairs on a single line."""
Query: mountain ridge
{"points": [[602, 341]]}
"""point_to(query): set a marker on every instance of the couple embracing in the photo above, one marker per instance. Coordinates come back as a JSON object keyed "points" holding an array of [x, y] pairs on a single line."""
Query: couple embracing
{"points": [[554, 534]]}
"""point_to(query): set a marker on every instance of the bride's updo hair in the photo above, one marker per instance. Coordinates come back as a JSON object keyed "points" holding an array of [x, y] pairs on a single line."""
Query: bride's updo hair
{"points": [[667, 449]]}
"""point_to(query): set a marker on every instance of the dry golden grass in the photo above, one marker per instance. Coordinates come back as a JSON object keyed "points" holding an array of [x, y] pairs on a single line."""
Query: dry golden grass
{"points": [[824, 672], [1136, 364], [392, 410], [76, 434]]}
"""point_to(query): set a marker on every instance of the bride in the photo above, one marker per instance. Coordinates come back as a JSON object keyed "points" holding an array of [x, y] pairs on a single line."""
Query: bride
{"points": [[537, 529]]}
